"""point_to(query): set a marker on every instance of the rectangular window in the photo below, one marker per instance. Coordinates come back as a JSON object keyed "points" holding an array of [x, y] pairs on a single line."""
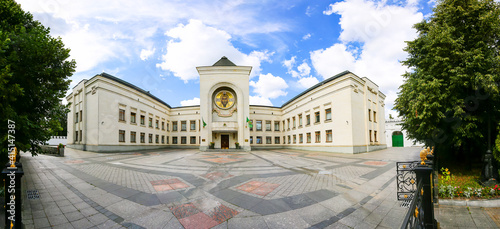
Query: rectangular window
{"points": [[289, 139], [283, 127], [370, 133], [143, 137], [157, 139], [276, 126], [294, 139], [76, 117], [192, 124], [81, 135], [293, 122], [163, 139], [192, 140], [162, 125], [329, 136], [308, 119], [269, 140], [375, 135], [301, 138], [300, 120], [183, 140], [81, 116], [142, 120], [288, 122], [168, 126], [276, 140], [318, 137], [328, 114], [121, 136], [121, 115], [157, 124], [259, 140], [375, 117], [316, 115], [258, 125], [308, 137], [150, 138], [251, 139], [183, 126], [132, 136], [174, 140], [174, 126], [284, 139], [132, 117], [150, 122], [76, 136], [268, 125], [167, 140], [369, 115]]}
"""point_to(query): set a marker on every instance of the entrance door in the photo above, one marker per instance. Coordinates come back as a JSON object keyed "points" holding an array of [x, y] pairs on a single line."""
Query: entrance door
{"points": [[397, 139], [224, 141]]}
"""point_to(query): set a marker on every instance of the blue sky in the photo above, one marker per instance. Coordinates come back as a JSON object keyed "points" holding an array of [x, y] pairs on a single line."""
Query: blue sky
{"points": [[291, 45]]}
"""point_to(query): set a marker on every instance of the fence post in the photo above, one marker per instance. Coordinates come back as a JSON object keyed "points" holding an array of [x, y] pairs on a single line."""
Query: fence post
{"points": [[424, 174]]}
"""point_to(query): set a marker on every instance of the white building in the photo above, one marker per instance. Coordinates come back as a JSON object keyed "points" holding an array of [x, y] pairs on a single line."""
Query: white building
{"points": [[344, 113], [396, 137]]}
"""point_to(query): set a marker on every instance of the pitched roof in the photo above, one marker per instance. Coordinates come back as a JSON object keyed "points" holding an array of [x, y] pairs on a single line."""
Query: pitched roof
{"points": [[108, 76], [224, 62]]}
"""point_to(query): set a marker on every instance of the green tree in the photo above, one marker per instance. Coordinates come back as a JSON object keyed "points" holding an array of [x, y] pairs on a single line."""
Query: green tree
{"points": [[34, 71], [452, 89]]}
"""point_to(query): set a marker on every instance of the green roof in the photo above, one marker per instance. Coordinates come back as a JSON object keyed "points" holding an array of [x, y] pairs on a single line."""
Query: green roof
{"points": [[224, 62]]}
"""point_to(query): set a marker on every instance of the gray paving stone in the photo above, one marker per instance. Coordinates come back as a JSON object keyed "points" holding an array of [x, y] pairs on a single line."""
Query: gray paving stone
{"points": [[73, 216], [152, 218], [247, 222], [82, 223], [57, 220], [41, 222], [285, 220], [97, 219], [314, 214]]}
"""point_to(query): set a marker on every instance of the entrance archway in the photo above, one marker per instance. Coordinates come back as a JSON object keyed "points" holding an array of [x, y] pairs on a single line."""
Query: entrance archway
{"points": [[397, 139]]}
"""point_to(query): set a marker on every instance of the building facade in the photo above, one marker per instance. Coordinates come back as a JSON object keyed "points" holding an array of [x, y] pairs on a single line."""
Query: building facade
{"points": [[397, 137], [344, 113]]}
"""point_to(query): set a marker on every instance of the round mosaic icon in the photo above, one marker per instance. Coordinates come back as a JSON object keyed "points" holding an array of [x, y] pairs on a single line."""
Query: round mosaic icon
{"points": [[224, 100]]}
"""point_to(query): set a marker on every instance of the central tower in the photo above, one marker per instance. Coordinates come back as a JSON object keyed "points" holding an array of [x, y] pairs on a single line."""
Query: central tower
{"points": [[224, 91]]}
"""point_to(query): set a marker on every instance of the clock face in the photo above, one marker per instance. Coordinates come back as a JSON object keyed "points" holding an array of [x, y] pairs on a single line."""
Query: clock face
{"points": [[224, 100]]}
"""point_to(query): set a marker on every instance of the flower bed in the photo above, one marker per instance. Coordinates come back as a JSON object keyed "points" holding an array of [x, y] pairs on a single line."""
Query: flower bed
{"points": [[465, 186]]}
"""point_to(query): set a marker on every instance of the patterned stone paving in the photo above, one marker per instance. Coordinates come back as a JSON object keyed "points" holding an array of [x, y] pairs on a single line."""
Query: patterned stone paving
{"points": [[170, 184], [192, 215], [192, 189], [258, 187]]}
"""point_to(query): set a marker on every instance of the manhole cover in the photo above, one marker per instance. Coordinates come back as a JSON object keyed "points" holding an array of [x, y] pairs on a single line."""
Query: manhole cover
{"points": [[33, 194]]}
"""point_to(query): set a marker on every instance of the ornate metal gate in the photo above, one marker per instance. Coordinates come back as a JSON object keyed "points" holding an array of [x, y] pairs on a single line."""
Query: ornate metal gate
{"points": [[406, 180]]}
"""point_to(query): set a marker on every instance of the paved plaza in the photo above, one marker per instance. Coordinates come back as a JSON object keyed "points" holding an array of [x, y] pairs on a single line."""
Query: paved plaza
{"points": [[191, 189]]}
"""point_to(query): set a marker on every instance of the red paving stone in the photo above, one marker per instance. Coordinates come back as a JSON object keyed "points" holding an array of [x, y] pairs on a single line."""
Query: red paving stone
{"points": [[375, 163], [258, 187], [162, 187], [74, 162], [183, 211], [265, 189], [222, 213], [198, 221], [216, 175], [221, 160], [165, 185]]}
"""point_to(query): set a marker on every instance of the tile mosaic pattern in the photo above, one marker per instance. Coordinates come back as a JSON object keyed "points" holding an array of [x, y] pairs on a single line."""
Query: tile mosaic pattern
{"points": [[191, 216], [216, 175], [258, 187], [166, 185]]}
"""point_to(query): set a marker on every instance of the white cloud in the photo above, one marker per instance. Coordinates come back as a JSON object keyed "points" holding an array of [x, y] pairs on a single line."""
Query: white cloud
{"points": [[381, 31], [197, 44], [307, 82], [259, 100], [269, 86], [304, 69], [307, 36], [191, 102], [146, 53]]}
